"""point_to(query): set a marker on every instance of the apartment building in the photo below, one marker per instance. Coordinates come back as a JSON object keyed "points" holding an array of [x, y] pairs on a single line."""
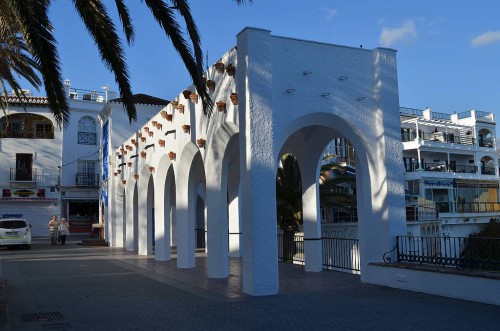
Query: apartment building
{"points": [[451, 166]]}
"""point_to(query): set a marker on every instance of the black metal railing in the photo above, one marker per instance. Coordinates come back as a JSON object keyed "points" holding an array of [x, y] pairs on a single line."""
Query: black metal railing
{"points": [[338, 253], [485, 142], [83, 179], [341, 253], [460, 252]]}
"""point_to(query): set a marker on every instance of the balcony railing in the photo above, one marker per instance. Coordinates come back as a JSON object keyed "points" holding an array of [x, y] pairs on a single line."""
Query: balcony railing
{"points": [[439, 167], [83, 179], [87, 95], [488, 170], [29, 134], [341, 216], [460, 252], [478, 207], [439, 137], [40, 179], [421, 213], [485, 142]]}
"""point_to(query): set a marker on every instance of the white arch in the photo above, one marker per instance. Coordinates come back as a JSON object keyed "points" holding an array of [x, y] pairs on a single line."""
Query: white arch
{"points": [[190, 172], [164, 208], [224, 144]]}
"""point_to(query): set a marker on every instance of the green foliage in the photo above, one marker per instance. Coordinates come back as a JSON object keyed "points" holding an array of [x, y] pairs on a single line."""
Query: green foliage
{"points": [[289, 194]]}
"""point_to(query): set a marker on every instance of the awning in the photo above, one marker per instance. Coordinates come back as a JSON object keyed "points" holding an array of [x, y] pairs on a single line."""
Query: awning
{"points": [[476, 184]]}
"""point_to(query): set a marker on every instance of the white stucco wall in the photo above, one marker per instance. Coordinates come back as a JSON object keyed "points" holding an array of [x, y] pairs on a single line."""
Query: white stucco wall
{"points": [[294, 96]]}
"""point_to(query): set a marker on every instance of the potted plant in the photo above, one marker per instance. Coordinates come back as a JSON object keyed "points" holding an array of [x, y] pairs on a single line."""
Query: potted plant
{"points": [[143, 139], [234, 98], [171, 155], [159, 126], [151, 169], [128, 147], [169, 117], [124, 181], [122, 149], [200, 142], [136, 176], [154, 123], [150, 133], [230, 69], [221, 105], [193, 97], [174, 103], [186, 94], [119, 171], [129, 164], [180, 108], [146, 129], [211, 85], [161, 142], [139, 134], [119, 156], [143, 154], [115, 174], [186, 128], [219, 66], [136, 143], [163, 113], [133, 141]]}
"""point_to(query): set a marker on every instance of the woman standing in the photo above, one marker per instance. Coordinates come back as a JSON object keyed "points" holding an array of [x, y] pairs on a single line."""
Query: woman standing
{"points": [[53, 225], [63, 230]]}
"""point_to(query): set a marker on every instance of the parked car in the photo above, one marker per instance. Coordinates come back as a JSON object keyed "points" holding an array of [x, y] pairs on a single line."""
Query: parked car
{"points": [[14, 231]]}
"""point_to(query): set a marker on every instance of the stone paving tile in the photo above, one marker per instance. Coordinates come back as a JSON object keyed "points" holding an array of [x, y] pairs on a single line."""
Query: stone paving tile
{"points": [[101, 288]]}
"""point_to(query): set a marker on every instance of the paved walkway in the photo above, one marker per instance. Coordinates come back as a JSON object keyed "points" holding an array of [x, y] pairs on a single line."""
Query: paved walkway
{"points": [[98, 288]]}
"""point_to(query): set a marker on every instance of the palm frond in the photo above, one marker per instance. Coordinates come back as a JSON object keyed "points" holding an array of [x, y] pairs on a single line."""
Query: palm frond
{"points": [[124, 15], [100, 26], [36, 29], [165, 18]]}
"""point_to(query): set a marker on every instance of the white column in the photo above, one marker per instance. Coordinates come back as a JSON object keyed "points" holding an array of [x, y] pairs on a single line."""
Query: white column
{"points": [[258, 164], [185, 240], [142, 215], [162, 225], [310, 213]]}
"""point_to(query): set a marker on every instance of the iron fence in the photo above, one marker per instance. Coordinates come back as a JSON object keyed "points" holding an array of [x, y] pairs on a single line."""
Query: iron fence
{"points": [[338, 253], [460, 252]]}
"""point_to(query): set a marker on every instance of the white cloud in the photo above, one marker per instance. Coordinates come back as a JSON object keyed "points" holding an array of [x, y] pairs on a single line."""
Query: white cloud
{"points": [[486, 38], [330, 13], [406, 32]]}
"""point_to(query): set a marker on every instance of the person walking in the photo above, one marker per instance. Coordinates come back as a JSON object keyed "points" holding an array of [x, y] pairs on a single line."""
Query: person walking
{"points": [[53, 225], [63, 230]]}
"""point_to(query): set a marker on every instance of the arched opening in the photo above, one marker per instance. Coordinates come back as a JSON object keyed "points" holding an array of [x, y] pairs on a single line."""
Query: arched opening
{"points": [[485, 138], [124, 219], [150, 216], [488, 166], [26, 125]]}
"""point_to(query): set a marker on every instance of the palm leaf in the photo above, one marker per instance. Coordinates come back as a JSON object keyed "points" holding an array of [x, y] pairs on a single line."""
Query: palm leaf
{"points": [[100, 26], [124, 15]]}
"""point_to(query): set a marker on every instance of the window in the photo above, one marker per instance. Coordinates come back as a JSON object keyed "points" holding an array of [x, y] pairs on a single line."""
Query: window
{"points": [[44, 130], [87, 131], [86, 173]]}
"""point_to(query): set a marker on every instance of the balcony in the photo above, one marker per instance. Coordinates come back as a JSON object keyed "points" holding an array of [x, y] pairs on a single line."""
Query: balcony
{"points": [[27, 134], [31, 178], [440, 167], [466, 140], [478, 207], [89, 180], [421, 213], [87, 95]]}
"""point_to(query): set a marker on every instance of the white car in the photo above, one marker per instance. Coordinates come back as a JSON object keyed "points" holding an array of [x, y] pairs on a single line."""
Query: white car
{"points": [[14, 231]]}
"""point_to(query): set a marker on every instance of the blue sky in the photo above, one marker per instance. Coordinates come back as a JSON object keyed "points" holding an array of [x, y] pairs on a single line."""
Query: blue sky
{"points": [[448, 51]]}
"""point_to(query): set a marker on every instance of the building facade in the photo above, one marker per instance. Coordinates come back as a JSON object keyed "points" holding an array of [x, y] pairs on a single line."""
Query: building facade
{"points": [[451, 165], [47, 170]]}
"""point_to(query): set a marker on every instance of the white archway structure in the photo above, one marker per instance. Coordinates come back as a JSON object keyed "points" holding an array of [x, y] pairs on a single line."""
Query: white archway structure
{"points": [[287, 95]]}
